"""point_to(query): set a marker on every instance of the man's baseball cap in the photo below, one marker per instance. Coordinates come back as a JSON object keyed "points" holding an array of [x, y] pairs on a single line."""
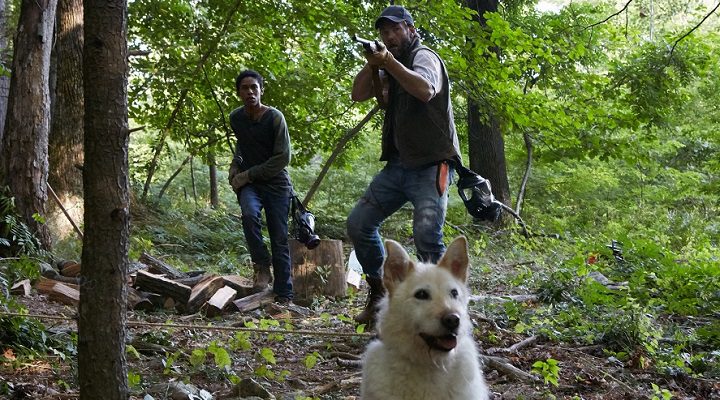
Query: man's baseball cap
{"points": [[395, 14]]}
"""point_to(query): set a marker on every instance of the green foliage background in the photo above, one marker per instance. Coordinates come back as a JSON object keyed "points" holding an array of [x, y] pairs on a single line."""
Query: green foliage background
{"points": [[624, 134]]}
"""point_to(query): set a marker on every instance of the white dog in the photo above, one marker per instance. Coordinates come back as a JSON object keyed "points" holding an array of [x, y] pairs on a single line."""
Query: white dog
{"points": [[426, 349]]}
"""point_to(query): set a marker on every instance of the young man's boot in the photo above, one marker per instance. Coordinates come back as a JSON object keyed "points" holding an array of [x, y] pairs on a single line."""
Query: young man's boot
{"points": [[261, 277], [377, 291]]}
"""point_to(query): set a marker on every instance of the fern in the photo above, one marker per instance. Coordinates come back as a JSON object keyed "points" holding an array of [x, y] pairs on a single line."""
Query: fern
{"points": [[15, 236]]}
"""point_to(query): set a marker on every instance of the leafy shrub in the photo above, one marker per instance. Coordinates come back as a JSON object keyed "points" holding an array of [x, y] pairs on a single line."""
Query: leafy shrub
{"points": [[15, 236]]}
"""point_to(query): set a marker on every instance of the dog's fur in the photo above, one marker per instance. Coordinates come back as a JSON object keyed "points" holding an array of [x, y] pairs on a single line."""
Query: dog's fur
{"points": [[425, 349]]}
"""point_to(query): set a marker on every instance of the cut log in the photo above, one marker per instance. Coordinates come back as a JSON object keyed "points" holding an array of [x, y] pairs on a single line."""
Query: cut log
{"points": [[169, 303], [242, 285], [254, 301], [21, 288], [149, 282], [203, 291], [219, 301], [318, 271], [192, 280], [157, 300], [65, 294], [138, 300], [136, 266], [157, 266], [59, 291], [47, 271], [64, 263], [71, 270], [46, 284]]}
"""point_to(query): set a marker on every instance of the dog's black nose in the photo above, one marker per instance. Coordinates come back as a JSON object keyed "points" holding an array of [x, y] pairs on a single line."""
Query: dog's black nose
{"points": [[451, 321]]}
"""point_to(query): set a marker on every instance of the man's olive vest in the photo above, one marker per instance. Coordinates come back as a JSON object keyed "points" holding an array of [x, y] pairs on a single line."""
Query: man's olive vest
{"points": [[418, 133]]}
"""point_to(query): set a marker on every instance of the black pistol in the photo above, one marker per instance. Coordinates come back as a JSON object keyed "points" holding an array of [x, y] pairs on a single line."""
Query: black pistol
{"points": [[370, 46]]}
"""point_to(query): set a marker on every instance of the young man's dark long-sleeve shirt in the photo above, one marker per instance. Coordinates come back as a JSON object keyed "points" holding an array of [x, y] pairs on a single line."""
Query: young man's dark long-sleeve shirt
{"points": [[263, 148]]}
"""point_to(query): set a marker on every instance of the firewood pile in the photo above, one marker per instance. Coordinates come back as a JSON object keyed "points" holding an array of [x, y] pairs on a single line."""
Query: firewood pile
{"points": [[154, 284]]}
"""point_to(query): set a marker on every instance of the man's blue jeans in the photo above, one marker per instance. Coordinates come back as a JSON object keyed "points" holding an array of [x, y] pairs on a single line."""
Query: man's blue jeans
{"points": [[253, 199], [389, 190]]}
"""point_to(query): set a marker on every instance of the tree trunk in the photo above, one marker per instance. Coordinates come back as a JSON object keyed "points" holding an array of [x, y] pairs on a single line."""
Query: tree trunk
{"points": [[4, 68], [214, 199], [485, 140], [487, 151], [66, 134], [102, 367], [25, 143]]}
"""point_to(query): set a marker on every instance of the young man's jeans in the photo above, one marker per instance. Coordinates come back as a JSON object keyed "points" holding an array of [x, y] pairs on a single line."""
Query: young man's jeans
{"points": [[252, 200], [389, 190]]}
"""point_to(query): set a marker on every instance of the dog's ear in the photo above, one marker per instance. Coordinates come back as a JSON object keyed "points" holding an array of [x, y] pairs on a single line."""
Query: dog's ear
{"points": [[396, 265], [456, 258]]}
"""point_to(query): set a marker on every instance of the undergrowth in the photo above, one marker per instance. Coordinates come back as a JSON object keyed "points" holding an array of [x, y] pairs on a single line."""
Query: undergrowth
{"points": [[609, 268]]}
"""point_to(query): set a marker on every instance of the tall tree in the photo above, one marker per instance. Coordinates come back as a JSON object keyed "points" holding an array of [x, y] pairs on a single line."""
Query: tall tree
{"points": [[212, 163], [25, 143], [486, 146], [66, 133], [103, 295], [4, 71]]}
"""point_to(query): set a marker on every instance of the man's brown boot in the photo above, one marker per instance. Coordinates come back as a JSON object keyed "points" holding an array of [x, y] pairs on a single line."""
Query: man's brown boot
{"points": [[261, 277], [377, 291]]}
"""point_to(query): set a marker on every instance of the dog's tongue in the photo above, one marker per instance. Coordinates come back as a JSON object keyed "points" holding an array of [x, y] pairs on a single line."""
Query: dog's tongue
{"points": [[442, 343], [446, 343]]}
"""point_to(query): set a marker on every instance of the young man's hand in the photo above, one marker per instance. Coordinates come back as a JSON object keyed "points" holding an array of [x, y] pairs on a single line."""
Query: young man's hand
{"points": [[239, 180], [234, 169]]}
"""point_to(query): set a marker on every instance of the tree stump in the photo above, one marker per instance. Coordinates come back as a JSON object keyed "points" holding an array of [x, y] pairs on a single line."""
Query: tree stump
{"points": [[318, 271]]}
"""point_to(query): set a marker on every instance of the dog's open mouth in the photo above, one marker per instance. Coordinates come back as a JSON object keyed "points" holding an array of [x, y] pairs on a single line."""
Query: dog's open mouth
{"points": [[442, 343]]}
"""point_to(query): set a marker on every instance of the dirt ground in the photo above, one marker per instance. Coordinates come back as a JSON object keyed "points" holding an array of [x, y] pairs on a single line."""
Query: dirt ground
{"points": [[321, 360]]}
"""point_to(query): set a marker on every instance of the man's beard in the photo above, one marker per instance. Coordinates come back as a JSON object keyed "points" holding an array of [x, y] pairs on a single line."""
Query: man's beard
{"points": [[404, 48]]}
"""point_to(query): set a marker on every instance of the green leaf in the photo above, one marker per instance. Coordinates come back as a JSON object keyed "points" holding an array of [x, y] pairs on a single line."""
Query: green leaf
{"points": [[311, 360], [197, 357], [268, 355]]}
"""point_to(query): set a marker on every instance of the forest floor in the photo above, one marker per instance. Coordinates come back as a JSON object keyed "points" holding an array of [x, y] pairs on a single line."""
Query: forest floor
{"points": [[320, 362]]}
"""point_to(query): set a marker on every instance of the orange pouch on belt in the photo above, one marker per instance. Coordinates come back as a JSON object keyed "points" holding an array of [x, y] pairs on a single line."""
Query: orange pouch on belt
{"points": [[443, 178]]}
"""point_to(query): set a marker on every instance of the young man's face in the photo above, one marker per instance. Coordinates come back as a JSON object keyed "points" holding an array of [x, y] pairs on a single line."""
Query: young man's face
{"points": [[250, 91], [396, 35]]}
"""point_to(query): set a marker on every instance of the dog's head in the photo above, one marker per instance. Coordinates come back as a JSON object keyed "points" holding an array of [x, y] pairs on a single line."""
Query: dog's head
{"points": [[426, 303]]}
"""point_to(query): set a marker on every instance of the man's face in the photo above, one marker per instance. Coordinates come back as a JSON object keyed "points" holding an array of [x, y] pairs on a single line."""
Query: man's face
{"points": [[250, 91], [397, 36]]}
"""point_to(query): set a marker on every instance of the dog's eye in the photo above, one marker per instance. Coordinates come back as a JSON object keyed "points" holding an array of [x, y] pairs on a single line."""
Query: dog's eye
{"points": [[422, 294], [454, 293]]}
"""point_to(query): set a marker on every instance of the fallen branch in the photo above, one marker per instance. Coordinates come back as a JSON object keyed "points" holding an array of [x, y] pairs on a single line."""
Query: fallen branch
{"points": [[341, 355], [514, 348], [502, 365], [151, 348], [350, 363], [328, 387], [67, 215], [477, 317]]}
